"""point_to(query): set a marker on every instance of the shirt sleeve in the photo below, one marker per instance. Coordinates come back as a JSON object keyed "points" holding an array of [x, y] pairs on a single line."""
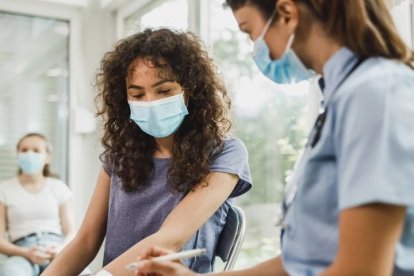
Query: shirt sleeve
{"points": [[105, 166], [234, 160], [62, 192], [374, 142]]}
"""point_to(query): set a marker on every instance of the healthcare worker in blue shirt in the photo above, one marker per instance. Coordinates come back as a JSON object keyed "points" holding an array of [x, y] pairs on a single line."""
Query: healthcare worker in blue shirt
{"points": [[349, 208]]}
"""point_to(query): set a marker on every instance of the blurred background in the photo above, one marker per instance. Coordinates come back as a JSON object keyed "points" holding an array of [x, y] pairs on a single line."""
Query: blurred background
{"points": [[49, 55]]}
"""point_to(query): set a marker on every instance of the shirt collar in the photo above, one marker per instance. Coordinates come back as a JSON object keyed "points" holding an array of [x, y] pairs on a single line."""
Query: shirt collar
{"points": [[336, 68]]}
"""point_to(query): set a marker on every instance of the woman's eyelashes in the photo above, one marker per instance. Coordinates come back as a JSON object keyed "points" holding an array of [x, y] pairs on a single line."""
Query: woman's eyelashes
{"points": [[32, 149], [137, 96], [164, 91]]}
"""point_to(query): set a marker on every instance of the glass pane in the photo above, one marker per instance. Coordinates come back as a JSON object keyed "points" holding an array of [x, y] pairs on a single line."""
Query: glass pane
{"points": [[271, 120], [170, 13], [34, 86]]}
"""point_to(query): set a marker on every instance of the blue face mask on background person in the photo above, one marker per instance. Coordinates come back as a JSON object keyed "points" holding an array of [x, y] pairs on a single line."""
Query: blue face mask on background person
{"points": [[287, 69], [159, 118], [31, 162]]}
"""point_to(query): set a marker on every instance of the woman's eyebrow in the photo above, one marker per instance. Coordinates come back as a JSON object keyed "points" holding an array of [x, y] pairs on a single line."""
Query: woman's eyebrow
{"points": [[158, 83], [133, 86]]}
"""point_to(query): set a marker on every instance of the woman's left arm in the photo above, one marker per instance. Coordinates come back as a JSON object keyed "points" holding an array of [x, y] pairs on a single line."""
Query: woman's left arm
{"points": [[186, 218], [368, 236], [66, 220]]}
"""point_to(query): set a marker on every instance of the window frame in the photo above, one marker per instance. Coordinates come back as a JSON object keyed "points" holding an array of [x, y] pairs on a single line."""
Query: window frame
{"points": [[72, 16]]}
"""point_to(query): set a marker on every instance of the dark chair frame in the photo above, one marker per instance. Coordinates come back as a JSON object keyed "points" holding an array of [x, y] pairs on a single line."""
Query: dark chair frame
{"points": [[232, 237]]}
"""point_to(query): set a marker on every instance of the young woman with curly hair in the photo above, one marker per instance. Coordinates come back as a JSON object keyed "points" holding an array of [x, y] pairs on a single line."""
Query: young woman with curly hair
{"points": [[170, 167]]}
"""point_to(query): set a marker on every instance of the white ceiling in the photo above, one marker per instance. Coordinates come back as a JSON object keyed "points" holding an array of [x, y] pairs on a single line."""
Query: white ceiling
{"points": [[80, 3]]}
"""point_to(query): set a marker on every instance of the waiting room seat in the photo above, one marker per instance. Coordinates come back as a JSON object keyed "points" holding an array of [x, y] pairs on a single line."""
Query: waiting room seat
{"points": [[232, 237]]}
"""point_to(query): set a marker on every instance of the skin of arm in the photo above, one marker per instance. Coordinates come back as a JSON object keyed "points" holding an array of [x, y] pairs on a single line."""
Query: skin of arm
{"points": [[273, 267], [188, 216], [66, 220], [7, 247], [363, 250], [367, 238], [84, 247], [33, 254]]}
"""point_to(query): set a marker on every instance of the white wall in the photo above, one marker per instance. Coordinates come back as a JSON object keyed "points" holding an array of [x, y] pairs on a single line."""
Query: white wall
{"points": [[404, 20], [92, 34], [97, 37]]}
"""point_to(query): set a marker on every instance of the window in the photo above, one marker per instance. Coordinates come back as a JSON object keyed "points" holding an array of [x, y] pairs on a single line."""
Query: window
{"points": [[402, 14], [33, 86], [158, 14]]}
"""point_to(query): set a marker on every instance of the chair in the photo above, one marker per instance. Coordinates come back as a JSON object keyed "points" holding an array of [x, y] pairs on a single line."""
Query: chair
{"points": [[232, 237]]}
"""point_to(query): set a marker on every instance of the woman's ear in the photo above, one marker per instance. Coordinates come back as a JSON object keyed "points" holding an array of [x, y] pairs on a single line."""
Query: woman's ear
{"points": [[48, 158], [287, 14], [186, 97]]}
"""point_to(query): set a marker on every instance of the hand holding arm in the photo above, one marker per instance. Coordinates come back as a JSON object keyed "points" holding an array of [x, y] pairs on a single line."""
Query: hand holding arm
{"points": [[147, 267]]}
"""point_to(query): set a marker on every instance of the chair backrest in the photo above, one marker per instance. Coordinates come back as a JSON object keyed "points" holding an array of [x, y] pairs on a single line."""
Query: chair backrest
{"points": [[232, 237]]}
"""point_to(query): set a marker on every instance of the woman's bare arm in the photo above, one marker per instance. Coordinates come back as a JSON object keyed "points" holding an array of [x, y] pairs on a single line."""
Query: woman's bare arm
{"points": [[186, 218], [84, 247], [367, 239]]}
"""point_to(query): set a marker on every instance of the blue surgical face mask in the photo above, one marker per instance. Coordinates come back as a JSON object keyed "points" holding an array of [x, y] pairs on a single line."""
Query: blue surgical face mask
{"points": [[159, 118], [31, 162], [288, 69]]}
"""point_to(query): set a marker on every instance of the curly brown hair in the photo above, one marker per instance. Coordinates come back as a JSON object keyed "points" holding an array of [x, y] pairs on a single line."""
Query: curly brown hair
{"points": [[127, 149]]}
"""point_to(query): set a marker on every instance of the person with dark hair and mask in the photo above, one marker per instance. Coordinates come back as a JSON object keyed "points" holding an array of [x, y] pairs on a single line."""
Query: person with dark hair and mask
{"points": [[349, 205], [34, 211], [170, 167]]}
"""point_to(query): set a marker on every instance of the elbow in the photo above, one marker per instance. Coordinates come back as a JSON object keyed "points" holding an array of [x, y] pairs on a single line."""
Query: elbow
{"points": [[169, 240], [88, 242]]}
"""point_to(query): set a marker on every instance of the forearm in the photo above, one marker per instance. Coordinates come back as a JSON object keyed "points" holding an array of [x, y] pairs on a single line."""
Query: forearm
{"points": [[117, 266], [7, 248], [73, 258], [68, 238]]}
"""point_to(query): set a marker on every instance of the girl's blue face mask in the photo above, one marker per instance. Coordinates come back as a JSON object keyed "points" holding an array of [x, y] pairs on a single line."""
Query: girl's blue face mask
{"points": [[159, 118], [288, 69], [31, 162]]}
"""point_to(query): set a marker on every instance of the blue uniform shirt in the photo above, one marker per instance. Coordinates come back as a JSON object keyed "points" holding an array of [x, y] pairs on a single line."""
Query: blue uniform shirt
{"points": [[365, 154]]}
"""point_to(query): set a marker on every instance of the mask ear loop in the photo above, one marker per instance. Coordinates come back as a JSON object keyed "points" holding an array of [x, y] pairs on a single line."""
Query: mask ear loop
{"points": [[268, 23], [186, 98], [290, 42]]}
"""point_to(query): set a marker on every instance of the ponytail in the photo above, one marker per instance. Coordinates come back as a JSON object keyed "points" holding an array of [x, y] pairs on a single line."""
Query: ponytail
{"points": [[364, 26]]}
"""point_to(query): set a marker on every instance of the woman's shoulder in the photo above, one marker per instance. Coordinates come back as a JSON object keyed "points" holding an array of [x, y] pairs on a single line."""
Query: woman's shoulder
{"points": [[53, 180], [56, 183], [232, 150], [377, 79], [59, 189], [381, 72], [8, 182], [233, 145]]}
